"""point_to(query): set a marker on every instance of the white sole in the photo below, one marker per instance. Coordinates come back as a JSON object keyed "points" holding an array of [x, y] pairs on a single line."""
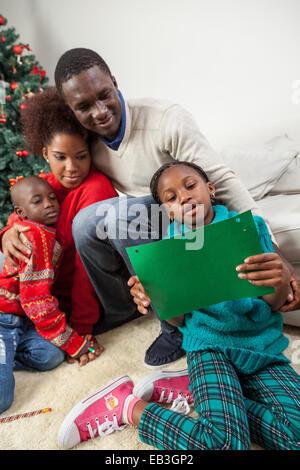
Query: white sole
{"points": [[85, 403], [143, 384]]}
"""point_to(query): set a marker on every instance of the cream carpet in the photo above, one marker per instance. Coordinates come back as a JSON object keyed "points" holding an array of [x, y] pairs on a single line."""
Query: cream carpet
{"points": [[63, 387]]}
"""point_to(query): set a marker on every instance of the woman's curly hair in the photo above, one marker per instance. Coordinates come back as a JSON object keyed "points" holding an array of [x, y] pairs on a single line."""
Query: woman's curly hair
{"points": [[44, 115]]}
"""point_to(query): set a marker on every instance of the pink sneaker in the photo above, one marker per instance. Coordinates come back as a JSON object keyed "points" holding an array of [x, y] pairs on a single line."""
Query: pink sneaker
{"points": [[98, 414], [166, 386]]}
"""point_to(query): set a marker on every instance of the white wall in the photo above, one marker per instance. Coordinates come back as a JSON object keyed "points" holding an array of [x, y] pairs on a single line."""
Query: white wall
{"points": [[232, 63]]}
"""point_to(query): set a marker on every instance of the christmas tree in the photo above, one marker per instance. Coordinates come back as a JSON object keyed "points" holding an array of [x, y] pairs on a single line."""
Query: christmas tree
{"points": [[20, 76]]}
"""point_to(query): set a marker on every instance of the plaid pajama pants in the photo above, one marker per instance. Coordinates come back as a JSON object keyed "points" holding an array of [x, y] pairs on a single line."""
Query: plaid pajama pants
{"points": [[232, 409]]}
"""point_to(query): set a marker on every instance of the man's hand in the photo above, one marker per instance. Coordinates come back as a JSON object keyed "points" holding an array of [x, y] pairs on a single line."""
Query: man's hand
{"points": [[139, 295], [293, 299], [89, 356], [293, 302], [12, 247]]}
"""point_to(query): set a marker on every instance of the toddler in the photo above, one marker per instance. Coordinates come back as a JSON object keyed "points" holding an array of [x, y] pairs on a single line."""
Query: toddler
{"points": [[34, 334]]}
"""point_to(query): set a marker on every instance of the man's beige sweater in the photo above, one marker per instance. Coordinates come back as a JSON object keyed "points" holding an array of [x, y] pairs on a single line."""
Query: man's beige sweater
{"points": [[158, 132]]}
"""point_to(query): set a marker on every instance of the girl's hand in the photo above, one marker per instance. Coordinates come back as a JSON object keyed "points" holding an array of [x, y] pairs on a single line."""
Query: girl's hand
{"points": [[12, 247], [139, 294], [89, 356], [268, 269]]}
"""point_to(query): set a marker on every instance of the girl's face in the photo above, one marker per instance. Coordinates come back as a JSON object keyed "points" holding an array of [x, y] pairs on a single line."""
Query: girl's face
{"points": [[69, 159], [184, 193]]}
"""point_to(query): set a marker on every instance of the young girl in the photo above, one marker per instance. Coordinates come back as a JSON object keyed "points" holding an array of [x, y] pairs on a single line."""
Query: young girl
{"points": [[241, 384], [51, 130]]}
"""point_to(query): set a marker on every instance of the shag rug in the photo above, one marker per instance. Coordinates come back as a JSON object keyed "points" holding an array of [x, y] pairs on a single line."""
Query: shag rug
{"points": [[61, 388]]}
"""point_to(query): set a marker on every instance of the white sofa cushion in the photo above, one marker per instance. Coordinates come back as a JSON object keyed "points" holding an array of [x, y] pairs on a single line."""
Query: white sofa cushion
{"points": [[289, 182], [260, 169], [283, 214]]}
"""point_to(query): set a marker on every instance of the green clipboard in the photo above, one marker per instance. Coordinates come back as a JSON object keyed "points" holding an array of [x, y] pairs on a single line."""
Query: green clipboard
{"points": [[179, 279]]}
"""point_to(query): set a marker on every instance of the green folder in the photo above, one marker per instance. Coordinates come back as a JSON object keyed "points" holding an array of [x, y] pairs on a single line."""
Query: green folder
{"points": [[179, 279]]}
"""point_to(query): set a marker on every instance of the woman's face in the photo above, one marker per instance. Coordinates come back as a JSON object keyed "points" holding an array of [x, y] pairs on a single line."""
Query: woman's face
{"points": [[69, 159]]}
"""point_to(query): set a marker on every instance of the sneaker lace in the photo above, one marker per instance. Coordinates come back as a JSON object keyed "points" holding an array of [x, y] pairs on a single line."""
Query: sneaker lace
{"points": [[105, 428], [180, 404]]}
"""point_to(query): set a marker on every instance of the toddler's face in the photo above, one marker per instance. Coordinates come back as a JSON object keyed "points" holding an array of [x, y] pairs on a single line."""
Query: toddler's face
{"points": [[39, 203], [186, 196]]}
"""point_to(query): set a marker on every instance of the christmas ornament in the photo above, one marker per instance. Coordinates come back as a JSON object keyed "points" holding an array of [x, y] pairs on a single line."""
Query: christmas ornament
{"points": [[17, 84], [36, 70], [13, 181], [18, 50]]}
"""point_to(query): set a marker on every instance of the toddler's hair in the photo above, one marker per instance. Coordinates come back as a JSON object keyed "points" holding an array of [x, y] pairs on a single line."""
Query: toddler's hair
{"points": [[156, 177], [16, 189]]}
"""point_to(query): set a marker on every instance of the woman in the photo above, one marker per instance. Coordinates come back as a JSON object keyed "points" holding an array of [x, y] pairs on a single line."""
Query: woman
{"points": [[51, 130]]}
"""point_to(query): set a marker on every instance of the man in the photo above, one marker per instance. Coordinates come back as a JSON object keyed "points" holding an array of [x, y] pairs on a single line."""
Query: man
{"points": [[131, 140]]}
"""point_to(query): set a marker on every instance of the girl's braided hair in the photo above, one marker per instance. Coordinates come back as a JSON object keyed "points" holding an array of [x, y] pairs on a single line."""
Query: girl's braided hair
{"points": [[156, 177]]}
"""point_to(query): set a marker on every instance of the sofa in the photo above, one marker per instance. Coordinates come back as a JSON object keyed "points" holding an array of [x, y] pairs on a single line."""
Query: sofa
{"points": [[271, 174]]}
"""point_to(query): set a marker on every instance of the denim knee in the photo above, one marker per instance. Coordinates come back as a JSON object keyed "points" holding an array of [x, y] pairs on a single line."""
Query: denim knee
{"points": [[6, 396], [84, 225], [45, 360]]}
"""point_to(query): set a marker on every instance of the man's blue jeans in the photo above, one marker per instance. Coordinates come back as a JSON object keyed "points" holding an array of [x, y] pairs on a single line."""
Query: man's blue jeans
{"points": [[101, 232], [22, 348]]}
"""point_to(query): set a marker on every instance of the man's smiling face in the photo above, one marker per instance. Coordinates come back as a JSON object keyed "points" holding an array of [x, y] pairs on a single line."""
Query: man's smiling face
{"points": [[93, 97]]}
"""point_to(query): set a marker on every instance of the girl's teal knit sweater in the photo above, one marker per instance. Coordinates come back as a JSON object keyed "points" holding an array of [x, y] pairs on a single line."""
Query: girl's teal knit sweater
{"points": [[246, 330]]}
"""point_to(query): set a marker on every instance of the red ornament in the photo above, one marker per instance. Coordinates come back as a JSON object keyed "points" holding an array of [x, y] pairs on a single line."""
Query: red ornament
{"points": [[13, 181], [3, 120], [36, 70], [22, 153], [3, 39], [25, 46], [14, 85], [18, 50], [2, 22], [22, 106], [8, 98]]}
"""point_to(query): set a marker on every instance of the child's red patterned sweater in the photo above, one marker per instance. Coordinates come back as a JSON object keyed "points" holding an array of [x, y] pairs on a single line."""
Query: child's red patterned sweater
{"points": [[27, 290]]}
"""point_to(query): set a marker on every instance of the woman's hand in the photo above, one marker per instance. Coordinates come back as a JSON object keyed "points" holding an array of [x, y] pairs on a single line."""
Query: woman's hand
{"points": [[139, 295], [268, 269], [89, 356], [12, 247]]}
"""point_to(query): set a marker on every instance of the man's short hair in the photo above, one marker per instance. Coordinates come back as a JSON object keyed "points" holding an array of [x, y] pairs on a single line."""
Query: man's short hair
{"points": [[75, 61]]}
